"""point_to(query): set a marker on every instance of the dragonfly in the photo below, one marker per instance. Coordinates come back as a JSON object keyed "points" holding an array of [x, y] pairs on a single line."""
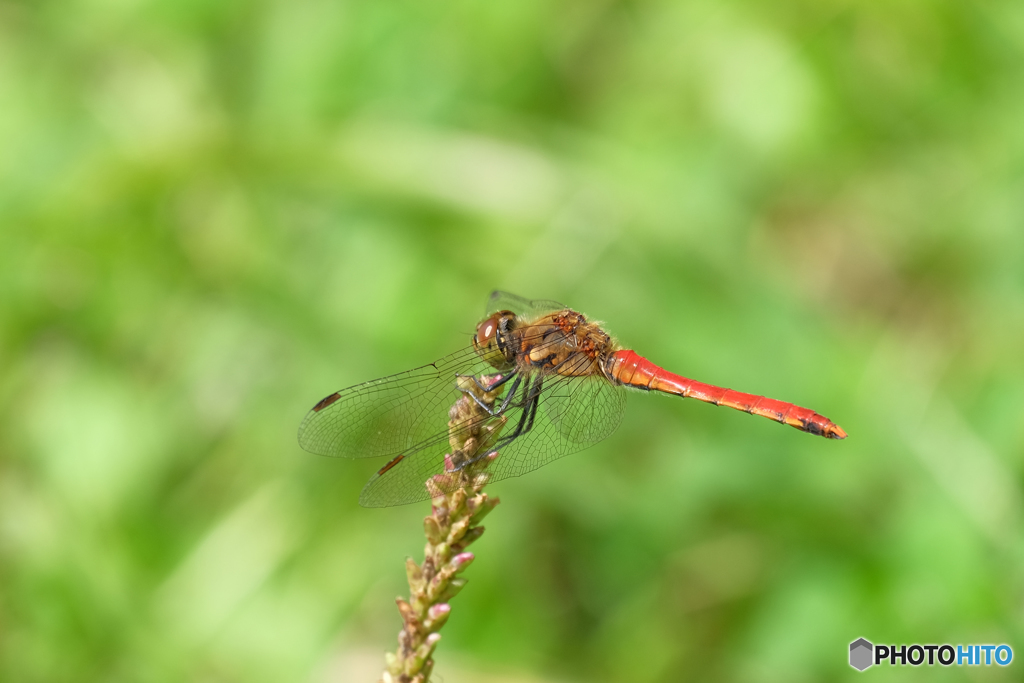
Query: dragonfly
{"points": [[561, 383]]}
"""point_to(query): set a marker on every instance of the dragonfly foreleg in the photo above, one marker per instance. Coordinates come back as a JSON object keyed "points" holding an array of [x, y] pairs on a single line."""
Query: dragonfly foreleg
{"points": [[525, 423], [511, 393], [493, 412], [488, 388], [526, 419]]}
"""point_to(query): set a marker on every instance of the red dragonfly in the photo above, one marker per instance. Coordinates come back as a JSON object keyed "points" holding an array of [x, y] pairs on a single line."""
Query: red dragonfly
{"points": [[560, 381]]}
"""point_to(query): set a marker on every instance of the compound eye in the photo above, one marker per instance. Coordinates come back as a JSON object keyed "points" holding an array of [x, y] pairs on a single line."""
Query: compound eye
{"points": [[486, 331]]}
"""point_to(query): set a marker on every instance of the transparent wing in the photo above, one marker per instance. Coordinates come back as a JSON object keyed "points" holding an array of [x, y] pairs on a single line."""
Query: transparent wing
{"points": [[506, 301], [586, 410], [389, 415], [572, 413]]}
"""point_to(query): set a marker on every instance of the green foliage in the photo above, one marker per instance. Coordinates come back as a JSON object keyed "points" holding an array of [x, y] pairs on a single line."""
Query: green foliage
{"points": [[214, 214]]}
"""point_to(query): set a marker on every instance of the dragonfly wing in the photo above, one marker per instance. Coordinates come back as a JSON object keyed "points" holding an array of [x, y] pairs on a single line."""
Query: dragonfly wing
{"points": [[389, 415], [573, 413], [403, 479], [585, 410], [506, 301]]}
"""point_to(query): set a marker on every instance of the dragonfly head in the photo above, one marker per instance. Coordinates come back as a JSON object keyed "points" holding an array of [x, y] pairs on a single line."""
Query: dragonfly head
{"points": [[491, 339]]}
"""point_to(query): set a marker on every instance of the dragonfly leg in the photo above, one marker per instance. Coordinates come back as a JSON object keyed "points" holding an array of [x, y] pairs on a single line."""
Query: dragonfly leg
{"points": [[488, 388], [494, 412], [529, 411], [509, 396], [536, 402], [498, 382], [525, 420]]}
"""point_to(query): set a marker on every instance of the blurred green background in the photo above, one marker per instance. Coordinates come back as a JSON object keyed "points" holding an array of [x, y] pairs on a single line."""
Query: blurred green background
{"points": [[214, 214]]}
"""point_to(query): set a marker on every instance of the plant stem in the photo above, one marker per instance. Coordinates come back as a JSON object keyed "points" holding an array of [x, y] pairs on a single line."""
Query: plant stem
{"points": [[458, 505]]}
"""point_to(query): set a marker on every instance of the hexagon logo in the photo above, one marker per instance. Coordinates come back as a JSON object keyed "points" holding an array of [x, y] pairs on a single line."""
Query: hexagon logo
{"points": [[860, 654]]}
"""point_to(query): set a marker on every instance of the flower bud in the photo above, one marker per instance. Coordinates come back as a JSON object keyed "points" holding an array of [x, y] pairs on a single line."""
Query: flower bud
{"points": [[460, 562], [437, 615], [432, 529]]}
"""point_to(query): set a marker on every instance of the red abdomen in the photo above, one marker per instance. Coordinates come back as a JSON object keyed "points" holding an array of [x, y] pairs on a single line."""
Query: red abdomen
{"points": [[632, 369]]}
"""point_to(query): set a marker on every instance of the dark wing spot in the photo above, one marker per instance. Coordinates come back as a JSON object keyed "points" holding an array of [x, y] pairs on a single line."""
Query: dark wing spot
{"points": [[397, 459], [326, 402]]}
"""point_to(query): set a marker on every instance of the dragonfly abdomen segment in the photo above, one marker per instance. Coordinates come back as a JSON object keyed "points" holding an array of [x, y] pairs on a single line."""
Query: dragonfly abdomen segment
{"points": [[631, 369]]}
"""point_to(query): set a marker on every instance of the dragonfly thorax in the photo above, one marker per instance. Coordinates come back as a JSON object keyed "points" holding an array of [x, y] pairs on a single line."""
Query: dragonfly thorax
{"points": [[562, 343]]}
